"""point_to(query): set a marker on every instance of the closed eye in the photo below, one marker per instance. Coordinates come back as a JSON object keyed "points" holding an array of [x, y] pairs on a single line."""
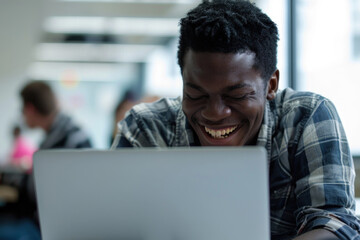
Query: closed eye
{"points": [[240, 97], [194, 98], [237, 98]]}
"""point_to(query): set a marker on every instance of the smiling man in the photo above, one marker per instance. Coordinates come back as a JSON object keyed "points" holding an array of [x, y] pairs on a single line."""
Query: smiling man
{"points": [[227, 56], [224, 97]]}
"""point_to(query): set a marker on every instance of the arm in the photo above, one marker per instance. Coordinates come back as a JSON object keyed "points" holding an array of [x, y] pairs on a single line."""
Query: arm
{"points": [[134, 131], [131, 132], [150, 125], [318, 234], [324, 177]]}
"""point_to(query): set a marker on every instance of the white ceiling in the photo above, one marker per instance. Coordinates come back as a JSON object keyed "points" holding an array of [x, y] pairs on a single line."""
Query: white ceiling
{"points": [[104, 34], [165, 9], [77, 30]]}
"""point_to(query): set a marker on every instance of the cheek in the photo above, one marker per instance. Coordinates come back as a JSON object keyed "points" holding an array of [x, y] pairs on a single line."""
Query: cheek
{"points": [[188, 107], [251, 110], [28, 121], [28, 118], [25, 117]]}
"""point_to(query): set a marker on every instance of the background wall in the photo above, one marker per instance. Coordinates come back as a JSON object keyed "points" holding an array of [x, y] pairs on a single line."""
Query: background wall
{"points": [[20, 26], [91, 53]]}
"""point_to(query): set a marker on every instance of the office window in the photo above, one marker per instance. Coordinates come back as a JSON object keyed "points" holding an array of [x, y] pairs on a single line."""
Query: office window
{"points": [[328, 57], [277, 11], [356, 29]]}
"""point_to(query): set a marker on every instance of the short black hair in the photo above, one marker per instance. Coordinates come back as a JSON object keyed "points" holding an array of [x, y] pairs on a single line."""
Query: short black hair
{"points": [[230, 26], [41, 96]]}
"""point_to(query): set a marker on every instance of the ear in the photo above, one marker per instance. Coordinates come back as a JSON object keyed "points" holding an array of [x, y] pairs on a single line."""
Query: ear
{"points": [[272, 85]]}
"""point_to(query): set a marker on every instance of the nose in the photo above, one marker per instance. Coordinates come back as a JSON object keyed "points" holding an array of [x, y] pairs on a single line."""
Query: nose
{"points": [[216, 110]]}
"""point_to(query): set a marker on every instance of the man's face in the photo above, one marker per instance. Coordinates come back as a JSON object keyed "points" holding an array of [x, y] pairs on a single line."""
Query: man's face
{"points": [[224, 97], [30, 115]]}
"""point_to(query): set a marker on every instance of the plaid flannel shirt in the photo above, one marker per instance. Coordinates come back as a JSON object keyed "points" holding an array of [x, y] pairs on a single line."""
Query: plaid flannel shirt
{"points": [[310, 165]]}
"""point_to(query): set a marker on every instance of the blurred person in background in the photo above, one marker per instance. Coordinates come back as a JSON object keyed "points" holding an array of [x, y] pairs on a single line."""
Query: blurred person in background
{"points": [[15, 213], [22, 151], [227, 55], [41, 110]]}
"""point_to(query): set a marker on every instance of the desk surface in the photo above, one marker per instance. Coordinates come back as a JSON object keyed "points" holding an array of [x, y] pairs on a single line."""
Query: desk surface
{"points": [[11, 180], [8, 194]]}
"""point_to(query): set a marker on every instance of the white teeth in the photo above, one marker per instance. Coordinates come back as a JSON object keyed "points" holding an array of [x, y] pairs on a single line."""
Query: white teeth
{"points": [[223, 133], [218, 134]]}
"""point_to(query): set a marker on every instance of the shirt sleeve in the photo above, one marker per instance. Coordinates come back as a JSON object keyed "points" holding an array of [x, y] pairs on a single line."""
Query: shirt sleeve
{"points": [[324, 176], [143, 126], [131, 132]]}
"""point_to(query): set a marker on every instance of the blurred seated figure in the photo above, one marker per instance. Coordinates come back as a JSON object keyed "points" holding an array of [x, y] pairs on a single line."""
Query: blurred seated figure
{"points": [[22, 151], [125, 104], [40, 109]]}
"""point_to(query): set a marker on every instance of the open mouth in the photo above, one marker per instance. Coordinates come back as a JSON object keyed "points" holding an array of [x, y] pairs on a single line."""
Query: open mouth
{"points": [[220, 133]]}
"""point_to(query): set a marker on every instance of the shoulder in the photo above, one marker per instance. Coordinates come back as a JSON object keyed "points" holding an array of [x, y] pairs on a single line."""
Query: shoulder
{"points": [[73, 135], [303, 117], [165, 109], [150, 124], [297, 106], [288, 100]]}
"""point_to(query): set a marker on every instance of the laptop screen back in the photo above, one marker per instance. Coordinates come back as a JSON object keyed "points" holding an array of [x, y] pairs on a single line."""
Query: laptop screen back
{"points": [[194, 193]]}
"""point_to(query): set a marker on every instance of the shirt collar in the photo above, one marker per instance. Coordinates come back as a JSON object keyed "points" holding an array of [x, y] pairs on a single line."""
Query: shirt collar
{"points": [[267, 128], [185, 135]]}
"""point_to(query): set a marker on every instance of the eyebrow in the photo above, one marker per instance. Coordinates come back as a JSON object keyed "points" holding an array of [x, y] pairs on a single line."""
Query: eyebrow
{"points": [[237, 86], [229, 88], [195, 87]]}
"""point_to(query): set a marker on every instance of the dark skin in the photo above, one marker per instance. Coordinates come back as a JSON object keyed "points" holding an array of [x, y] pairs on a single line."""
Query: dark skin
{"points": [[224, 98], [224, 92]]}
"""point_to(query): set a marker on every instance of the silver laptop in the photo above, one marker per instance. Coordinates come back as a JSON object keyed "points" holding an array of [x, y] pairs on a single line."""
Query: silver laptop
{"points": [[153, 194]]}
